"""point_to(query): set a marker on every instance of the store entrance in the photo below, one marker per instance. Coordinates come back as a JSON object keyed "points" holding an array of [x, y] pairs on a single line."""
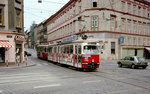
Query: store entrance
{"points": [[2, 55]]}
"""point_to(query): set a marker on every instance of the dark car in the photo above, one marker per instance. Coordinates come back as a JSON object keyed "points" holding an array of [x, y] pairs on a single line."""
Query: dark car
{"points": [[133, 62], [27, 53]]}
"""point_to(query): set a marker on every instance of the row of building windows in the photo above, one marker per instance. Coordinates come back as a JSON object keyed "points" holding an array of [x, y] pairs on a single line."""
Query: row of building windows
{"points": [[135, 9], [18, 17], [135, 27], [1, 16], [136, 41], [67, 14]]}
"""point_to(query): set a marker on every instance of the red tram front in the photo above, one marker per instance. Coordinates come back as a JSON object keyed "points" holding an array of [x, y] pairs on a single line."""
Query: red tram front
{"points": [[77, 54], [42, 52]]}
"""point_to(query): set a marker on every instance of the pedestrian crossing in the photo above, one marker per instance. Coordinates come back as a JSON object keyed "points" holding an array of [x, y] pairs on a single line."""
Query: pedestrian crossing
{"points": [[26, 78]]}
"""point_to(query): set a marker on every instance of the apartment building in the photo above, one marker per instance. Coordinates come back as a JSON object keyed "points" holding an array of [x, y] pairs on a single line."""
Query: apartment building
{"points": [[42, 33], [122, 27], [11, 31]]}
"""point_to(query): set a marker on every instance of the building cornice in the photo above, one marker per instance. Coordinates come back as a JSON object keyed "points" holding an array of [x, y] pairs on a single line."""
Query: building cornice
{"points": [[112, 32], [12, 33]]}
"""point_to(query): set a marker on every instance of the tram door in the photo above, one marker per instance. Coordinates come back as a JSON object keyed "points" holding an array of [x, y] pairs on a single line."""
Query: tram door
{"points": [[78, 55]]}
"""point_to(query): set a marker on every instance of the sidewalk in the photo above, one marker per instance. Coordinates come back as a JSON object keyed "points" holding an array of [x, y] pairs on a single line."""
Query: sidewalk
{"points": [[16, 66]]}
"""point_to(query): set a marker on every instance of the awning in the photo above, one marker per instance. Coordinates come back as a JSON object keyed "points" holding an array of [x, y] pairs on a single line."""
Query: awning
{"points": [[147, 48], [5, 44]]}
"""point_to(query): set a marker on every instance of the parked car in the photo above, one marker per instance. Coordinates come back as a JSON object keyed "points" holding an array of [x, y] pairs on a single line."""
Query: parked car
{"points": [[133, 62], [27, 53]]}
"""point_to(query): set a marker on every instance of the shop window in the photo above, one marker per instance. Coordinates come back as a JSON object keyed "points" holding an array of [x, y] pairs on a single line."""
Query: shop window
{"points": [[2, 55], [1, 16], [94, 23], [112, 47]]}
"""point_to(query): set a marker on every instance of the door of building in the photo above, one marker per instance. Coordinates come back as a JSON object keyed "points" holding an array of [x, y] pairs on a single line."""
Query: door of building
{"points": [[2, 55]]}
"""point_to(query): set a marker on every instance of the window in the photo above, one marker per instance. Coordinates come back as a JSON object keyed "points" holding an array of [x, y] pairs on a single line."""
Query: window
{"points": [[144, 12], [134, 25], [148, 14], [1, 16], [94, 23], [134, 9], [123, 24], [18, 18], [129, 8], [139, 11], [123, 6], [112, 47], [129, 25], [113, 4], [148, 28], [94, 3], [113, 21]]}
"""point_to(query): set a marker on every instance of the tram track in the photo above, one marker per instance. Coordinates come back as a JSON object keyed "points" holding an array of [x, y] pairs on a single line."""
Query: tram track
{"points": [[101, 75]]}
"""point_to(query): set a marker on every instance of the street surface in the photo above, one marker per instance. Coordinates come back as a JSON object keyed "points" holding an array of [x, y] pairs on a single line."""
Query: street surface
{"points": [[49, 78]]}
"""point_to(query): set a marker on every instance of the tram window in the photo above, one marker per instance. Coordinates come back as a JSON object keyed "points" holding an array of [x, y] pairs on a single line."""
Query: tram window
{"points": [[79, 49], [67, 49], [76, 49], [62, 49], [58, 50], [50, 49], [71, 49], [45, 50], [54, 49]]}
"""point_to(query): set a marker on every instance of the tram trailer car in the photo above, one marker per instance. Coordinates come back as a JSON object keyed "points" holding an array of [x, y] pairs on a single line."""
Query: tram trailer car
{"points": [[42, 52], [79, 55]]}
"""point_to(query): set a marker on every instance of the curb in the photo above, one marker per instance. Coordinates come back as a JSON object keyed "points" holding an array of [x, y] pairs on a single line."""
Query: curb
{"points": [[18, 67]]}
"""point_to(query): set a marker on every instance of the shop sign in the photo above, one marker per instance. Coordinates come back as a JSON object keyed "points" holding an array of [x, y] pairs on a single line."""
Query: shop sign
{"points": [[9, 36], [19, 38], [121, 40], [69, 39]]}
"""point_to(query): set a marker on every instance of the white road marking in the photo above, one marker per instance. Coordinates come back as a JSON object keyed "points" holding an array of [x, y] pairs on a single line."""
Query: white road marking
{"points": [[53, 85], [1, 91], [95, 81]]}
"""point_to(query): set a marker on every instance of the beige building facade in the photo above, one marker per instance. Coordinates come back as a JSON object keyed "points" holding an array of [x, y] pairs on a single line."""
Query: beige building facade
{"points": [[121, 26], [11, 31]]}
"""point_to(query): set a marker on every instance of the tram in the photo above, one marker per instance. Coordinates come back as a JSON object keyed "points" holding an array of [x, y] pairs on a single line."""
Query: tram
{"points": [[42, 52], [82, 55]]}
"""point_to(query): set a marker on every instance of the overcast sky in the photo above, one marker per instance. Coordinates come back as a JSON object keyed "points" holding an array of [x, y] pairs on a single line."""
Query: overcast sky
{"points": [[34, 11]]}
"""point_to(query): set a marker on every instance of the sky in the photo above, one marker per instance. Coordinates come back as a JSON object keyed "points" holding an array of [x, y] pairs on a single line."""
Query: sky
{"points": [[38, 12]]}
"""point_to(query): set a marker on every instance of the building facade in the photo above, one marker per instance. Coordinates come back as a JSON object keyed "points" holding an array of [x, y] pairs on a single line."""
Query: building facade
{"points": [[41, 33], [121, 26], [11, 31]]}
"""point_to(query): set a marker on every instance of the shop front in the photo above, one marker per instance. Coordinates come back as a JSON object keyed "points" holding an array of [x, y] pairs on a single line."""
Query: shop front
{"points": [[4, 48], [19, 43], [132, 51], [147, 52]]}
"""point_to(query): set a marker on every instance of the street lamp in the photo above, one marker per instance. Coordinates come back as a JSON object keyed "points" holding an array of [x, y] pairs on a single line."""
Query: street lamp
{"points": [[39, 1]]}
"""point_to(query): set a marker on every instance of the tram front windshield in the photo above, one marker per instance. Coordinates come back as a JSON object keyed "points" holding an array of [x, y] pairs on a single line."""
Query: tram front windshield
{"points": [[90, 49]]}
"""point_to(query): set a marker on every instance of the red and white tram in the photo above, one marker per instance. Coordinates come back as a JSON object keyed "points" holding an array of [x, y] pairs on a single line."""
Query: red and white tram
{"points": [[84, 55], [42, 52]]}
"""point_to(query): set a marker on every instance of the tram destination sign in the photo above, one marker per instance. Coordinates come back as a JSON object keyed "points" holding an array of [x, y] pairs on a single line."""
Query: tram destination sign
{"points": [[69, 39]]}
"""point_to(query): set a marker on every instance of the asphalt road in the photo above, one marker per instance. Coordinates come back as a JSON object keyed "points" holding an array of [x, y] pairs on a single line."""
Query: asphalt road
{"points": [[49, 78]]}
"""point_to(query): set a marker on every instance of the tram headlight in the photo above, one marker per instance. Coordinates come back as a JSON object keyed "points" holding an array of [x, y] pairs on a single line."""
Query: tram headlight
{"points": [[92, 60]]}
